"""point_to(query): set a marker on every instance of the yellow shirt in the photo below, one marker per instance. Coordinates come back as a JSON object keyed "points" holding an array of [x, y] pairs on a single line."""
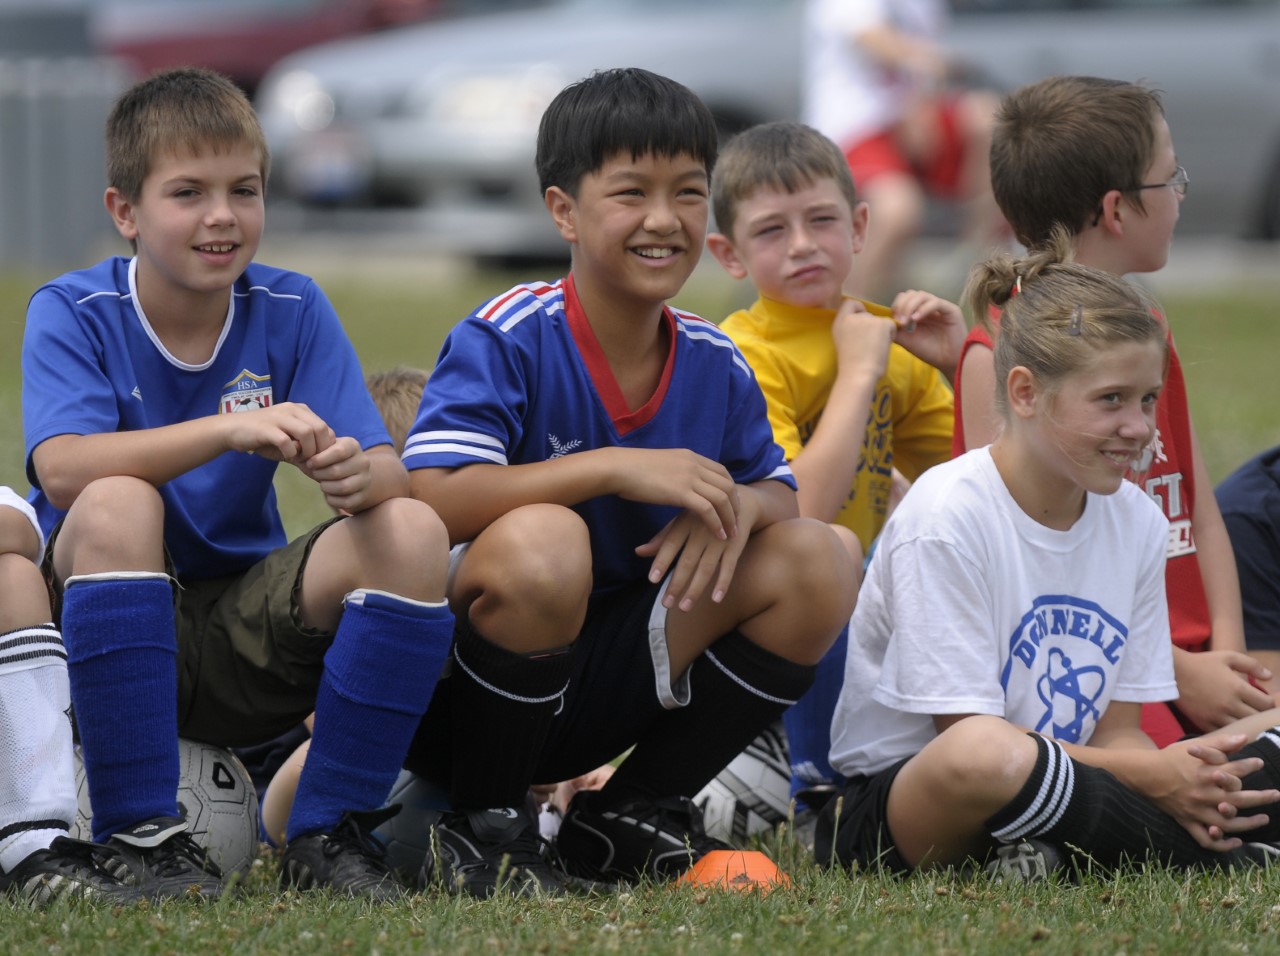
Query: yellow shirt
{"points": [[912, 414]]}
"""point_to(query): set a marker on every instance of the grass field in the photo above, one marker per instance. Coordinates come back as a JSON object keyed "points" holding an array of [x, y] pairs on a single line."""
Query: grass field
{"points": [[1226, 341]]}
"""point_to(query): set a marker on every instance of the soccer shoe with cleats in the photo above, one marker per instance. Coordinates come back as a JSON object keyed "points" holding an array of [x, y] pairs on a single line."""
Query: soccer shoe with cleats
{"points": [[655, 837], [486, 852], [67, 869], [160, 859], [1027, 861], [347, 860]]}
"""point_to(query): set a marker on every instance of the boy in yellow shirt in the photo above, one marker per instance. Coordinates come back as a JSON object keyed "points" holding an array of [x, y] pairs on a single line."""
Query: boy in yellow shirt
{"points": [[831, 367]]}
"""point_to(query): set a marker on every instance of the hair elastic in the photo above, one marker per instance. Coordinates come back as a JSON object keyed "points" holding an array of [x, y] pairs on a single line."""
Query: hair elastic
{"points": [[1017, 284], [1076, 325]]}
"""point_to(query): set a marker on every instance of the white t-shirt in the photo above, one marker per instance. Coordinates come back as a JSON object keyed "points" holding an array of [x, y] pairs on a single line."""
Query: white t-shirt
{"points": [[848, 95], [972, 607], [10, 498]]}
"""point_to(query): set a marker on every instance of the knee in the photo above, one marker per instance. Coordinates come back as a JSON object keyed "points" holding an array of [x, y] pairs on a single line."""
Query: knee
{"points": [[537, 558], [814, 567], [402, 533], [983, 754], [119, 515]]}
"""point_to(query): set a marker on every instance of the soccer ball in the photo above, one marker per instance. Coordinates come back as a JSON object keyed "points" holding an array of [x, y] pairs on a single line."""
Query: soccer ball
{"points": [[753, 794], [217, 795], [407, 835]]}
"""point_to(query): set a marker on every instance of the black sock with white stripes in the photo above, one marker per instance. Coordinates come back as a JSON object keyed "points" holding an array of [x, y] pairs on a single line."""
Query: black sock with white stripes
{"points": [[737, 689], [1088, 810], [503, 704]]}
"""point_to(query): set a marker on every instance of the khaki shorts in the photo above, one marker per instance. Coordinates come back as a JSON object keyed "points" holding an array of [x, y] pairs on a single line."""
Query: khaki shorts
{"points": [[248, 670]]}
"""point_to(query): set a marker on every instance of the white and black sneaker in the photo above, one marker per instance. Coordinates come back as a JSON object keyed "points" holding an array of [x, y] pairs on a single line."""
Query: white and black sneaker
{"points": [[1027, 861], [160, 859], [655, 837], [67, 869], [485, 852]]}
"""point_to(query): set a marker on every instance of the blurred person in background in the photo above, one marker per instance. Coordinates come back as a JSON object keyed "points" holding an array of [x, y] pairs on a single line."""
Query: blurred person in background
{"points": [[878, 81]]}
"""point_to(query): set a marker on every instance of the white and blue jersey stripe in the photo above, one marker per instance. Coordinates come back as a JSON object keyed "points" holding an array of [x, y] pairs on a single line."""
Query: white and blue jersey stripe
{"points": [[517, 382]]}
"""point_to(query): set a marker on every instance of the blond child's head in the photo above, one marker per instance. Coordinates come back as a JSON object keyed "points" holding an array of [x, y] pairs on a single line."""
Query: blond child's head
{"points": [[787, 214], [1058, 316], [184, 110], [397, 393]]}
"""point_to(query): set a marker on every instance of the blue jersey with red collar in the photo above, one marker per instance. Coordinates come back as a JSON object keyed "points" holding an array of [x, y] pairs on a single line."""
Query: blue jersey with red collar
{"points": [[523, 380], [91, 363]]}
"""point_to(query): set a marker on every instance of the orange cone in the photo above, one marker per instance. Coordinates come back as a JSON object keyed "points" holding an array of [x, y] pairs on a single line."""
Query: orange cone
{"points": [[743, 870]]}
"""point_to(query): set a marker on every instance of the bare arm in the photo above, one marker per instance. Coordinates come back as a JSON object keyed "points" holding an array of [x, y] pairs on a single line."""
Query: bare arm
{"points": [[978, 408], [470, 498], [897, 50], [827, 464], [290, 432]]}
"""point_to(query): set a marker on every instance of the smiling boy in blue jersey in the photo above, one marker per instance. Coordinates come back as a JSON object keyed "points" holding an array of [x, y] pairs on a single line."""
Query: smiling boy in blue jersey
{"points": [[633, 568], [159, 395]]}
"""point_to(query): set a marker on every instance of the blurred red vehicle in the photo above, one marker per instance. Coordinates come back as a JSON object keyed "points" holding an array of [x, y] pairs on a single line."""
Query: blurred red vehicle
{"points": [[241, 38]]}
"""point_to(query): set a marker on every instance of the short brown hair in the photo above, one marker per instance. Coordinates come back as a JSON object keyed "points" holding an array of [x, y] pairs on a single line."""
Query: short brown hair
{"points": [[1057, 314], [397, 393], [787, 156], [183, 109], [1062, 143]]}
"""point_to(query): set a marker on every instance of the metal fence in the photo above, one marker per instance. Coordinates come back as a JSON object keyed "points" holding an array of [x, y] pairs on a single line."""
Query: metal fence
{"points": [[52, 113]]}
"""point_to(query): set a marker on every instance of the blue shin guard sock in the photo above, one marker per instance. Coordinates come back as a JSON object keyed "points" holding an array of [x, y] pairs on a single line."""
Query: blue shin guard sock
{"points": [[122, 650], [379, 675], [808, 722]]}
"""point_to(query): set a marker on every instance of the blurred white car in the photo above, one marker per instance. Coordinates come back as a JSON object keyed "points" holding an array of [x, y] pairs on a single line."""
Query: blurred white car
{"points": [[442, 116]]}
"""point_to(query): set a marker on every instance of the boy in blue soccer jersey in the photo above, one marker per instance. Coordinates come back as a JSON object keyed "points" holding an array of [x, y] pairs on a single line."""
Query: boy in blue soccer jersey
{"points": [[632, 569], [159, 395]]}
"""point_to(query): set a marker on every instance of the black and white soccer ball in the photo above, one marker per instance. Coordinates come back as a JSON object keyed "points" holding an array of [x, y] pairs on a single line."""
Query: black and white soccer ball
{"points": [[407, 835], [217, 795], [752, 795]]}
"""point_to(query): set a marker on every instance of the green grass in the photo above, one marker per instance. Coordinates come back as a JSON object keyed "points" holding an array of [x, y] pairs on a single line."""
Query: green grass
{"points": [[821, 912], [1224, 337]]}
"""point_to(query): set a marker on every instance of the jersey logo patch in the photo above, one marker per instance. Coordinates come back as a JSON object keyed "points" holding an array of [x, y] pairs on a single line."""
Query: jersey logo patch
{"points": [[559, 449], [245, 393]]}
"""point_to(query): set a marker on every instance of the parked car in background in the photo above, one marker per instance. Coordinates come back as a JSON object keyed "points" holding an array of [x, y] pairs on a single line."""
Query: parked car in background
{"points": [[442, 116]]}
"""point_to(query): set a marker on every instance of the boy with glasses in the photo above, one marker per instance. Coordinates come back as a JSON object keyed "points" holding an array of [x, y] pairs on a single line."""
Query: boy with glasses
{"points": [[1096, 156]]}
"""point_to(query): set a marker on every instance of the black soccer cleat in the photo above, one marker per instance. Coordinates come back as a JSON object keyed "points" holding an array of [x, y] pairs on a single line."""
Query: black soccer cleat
{"points": [[659, 838], [485, 852], [347, 860], [67, 869], [160, 859]]}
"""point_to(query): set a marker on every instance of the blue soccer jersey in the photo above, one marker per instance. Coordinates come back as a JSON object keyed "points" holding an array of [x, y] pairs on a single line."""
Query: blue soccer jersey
{"points": [[92, 363], [523, 380]]}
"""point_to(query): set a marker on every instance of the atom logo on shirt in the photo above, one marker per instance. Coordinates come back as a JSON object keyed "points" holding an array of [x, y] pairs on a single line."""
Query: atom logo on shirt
{"points": [[1061, 656]]}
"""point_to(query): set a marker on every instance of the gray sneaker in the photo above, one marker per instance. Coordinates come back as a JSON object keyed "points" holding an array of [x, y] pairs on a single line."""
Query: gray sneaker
{"points": [[160, 859], [67, 869], [1027, 861]]}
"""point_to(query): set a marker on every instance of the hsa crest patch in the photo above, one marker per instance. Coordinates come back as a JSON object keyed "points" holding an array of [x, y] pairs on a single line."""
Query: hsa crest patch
{"points": [[246, 393]]}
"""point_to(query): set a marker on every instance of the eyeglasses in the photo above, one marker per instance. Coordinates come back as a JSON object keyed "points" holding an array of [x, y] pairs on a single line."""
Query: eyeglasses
{"points": [[1178, 183]]}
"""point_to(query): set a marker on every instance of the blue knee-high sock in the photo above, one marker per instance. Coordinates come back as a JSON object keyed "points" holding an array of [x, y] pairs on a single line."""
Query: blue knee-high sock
{"points": [[379, 675], [808, 722], [122, 652]]}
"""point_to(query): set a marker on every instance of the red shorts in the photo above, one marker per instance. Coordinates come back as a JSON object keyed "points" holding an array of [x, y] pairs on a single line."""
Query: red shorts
{"points": [[939, 172]]}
